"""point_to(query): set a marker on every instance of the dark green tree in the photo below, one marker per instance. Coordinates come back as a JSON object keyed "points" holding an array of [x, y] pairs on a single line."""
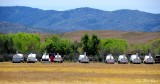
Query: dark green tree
{"points": [[6, 43], [57, 45], [75, 46], [85, 43], [9, 45], [95, 42], [91, 46]]}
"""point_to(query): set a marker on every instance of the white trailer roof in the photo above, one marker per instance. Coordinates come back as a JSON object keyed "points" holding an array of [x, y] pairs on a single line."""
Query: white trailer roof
{"points": [[134, 57], [18, 56], [57, 56], [121, 57], [109, 57], [32, 55], [147, 56], [45, 56], [82, 56]]}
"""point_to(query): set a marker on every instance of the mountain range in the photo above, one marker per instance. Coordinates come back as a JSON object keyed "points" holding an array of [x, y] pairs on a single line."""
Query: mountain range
{"points": [[26, 19]]}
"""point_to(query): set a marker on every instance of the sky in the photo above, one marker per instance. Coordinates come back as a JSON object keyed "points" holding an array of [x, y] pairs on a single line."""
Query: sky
{"points": [[152, 6]]}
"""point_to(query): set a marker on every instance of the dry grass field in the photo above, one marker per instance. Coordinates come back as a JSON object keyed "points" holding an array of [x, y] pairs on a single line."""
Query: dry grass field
{"points": [[130, 37], [76, 73]]}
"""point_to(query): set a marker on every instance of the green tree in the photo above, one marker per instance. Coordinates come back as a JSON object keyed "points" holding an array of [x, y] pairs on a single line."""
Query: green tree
{"points": [[95, 42], [2, 41], [138, 48], [115, 46], [6, 43], [57, 45], [75, 46], [25, 43], [85, 43], [155, 46], [90, 45]]}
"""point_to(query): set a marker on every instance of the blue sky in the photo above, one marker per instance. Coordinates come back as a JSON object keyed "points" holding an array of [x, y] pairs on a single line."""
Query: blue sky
{"points": [[152, 6]]}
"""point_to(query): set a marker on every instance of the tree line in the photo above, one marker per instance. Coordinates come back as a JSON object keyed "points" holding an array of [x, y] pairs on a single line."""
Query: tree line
{"points": [[92, 45]]}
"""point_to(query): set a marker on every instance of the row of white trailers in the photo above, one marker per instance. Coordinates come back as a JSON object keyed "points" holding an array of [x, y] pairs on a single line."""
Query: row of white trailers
{"points": [[18, 58], [122, 59], [135, 59]]}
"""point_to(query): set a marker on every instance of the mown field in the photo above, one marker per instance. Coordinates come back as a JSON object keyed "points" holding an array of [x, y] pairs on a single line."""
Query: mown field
{"points": [[76, 73]]}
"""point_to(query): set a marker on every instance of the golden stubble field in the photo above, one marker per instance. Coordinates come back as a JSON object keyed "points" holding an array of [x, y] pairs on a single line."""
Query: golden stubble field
{"points": [[76, 73]]}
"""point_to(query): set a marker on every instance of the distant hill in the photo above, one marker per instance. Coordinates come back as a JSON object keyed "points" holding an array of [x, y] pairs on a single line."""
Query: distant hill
{"points": [[80, 19], [6, 27]]}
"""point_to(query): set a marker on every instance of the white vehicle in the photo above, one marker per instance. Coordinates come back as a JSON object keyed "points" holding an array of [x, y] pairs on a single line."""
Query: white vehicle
{"points": [[148, 59], [31, 58], [83, 58], [122, 59], [18, 58], [58, 58], [135, 59], [109, 59], [45, 58]]}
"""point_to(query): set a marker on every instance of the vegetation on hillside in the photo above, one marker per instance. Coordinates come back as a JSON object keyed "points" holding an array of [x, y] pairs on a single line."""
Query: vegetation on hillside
{"points": [[75, 19]]}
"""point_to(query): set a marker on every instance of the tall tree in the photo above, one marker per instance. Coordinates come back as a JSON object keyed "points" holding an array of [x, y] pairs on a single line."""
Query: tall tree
{"points": [[75, 46], [6, 43], [91, 46], [95, 42], [85, 42]]}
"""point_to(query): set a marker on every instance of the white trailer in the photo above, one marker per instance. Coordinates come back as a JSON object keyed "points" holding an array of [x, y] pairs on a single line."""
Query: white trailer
{"points": [[83, 58], [31, 58], [148, 59], [122, 59], [58, 58], [18, 58], [109, 59], [45, 58], [135, 59]]}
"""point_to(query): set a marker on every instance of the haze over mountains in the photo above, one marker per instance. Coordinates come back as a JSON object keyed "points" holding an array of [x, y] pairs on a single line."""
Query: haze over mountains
{"points": [[19, 18]]}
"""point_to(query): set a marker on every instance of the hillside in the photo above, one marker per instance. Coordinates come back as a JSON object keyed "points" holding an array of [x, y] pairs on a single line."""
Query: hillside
{"points": [[81, 19], [130, 37], [7, 27]]}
